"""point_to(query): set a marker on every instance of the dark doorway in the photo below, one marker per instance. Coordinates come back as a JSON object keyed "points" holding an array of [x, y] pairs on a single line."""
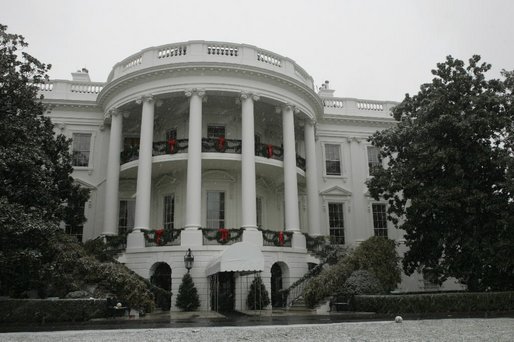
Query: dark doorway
{"points": [[162, 278], [276, 286], [223, 292]]}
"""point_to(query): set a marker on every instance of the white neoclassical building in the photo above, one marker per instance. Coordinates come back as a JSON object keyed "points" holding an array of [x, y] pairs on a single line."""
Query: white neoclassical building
{"points": [[228, 150]]}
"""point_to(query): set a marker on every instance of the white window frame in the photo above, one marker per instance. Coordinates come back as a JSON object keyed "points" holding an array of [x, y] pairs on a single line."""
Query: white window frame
{"points": [[92, 135], [345, 218], [341, 171], [174, 204], [119, 212], [375, 229], [224, 225], [368, 147]]}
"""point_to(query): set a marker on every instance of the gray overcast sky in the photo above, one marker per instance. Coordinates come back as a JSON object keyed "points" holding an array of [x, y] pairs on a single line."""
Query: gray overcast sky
{"points": [[368, 49]]}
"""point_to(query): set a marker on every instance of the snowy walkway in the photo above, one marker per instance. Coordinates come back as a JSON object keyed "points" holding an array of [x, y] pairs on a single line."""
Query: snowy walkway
{"points": [[497, 329]]}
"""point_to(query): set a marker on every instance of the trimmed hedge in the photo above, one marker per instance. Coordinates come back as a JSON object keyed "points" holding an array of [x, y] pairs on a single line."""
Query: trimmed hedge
{"points": [[435, 302], [50, 310]]}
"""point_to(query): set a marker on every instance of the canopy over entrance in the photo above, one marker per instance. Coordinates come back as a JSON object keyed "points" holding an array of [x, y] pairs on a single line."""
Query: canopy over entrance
{"points": [[239, 257]]}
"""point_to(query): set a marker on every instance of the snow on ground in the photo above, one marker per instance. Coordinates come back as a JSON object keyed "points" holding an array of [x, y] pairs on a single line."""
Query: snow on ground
{"points": [[497, 329]]}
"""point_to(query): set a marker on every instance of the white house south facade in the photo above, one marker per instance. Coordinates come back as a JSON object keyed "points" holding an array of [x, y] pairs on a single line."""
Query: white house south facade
{"points": [[229, 151]]}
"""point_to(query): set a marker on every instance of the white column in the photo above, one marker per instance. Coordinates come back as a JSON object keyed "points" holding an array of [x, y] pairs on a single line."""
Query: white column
{"points": [[248, 191], [144, 170], [113, 174], [290, 182], [312, 179], [194, 161]]}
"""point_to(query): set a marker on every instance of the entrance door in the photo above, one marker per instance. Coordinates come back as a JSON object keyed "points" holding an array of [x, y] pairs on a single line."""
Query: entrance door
{"points": [[162, 278], [223, 292], [276, 286]]}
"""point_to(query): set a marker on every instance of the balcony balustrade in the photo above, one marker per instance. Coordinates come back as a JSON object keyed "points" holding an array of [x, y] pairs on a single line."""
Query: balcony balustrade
{"points": [[221, 236], [216, 145], [162, 237]]}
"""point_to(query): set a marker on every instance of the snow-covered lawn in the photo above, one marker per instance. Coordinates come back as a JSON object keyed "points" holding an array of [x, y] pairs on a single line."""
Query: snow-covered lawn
{"points": [[497, 329]]}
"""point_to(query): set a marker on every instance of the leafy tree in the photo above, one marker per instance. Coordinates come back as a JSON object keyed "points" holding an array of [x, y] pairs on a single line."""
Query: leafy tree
{"points": [[449, 176], [258, 297], [378, 255], [37, 192], [187, 297]]}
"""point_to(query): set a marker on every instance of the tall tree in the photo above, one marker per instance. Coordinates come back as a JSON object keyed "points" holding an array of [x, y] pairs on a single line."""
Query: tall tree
{"points": [[449, 176], [37, 190]]}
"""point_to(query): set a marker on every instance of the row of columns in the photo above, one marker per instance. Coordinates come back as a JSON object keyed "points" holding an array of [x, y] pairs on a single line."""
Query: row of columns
{"points": [[194, 171]]}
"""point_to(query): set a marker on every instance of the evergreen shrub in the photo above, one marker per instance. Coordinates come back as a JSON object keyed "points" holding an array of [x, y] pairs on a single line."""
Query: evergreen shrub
{"points": [[187, 298], [258, 297]]}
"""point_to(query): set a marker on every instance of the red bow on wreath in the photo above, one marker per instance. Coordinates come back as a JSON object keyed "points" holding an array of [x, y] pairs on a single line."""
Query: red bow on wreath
{"points": [[221, 143], [158, 236], [223, 234], [171, 145], [281, 238], [269, 151]]}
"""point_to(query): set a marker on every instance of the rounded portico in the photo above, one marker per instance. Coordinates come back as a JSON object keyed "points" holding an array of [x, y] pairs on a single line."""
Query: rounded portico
{"points": [[205, 134]]}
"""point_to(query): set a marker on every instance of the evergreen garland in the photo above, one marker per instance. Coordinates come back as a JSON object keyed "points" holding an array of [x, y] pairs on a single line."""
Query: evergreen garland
{"points": [[222, 235]]}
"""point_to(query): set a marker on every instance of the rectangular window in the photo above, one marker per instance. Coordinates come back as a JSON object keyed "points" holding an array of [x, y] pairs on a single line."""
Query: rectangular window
{"points": [[379, 219], [126, 216], [336, 223], [215, 131], [215, 209], [171, 134], [169, 212], [373, 158], [75, 229], [258, 202], [333, 160], [81, 149]]}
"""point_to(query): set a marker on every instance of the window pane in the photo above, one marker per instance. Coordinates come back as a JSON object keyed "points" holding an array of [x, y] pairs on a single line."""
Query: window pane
{"points": [[336, 222], [379, 219], [332, 159], [215, 209], [215, 131], [169, 212], [373, 160], [126, 216], [80, 149]]}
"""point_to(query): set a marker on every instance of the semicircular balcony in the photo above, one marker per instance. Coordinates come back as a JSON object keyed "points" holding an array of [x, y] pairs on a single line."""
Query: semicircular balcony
{"points": [[221, 141]]}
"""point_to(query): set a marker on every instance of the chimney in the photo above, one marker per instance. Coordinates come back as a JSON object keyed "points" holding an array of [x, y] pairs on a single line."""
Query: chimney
{"points": [[81, 75], [325, 91]]}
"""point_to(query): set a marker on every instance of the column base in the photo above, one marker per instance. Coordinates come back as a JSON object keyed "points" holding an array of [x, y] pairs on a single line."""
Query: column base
{"points": [[298, 241], [191, 237], [253, 236], [136, 240]]}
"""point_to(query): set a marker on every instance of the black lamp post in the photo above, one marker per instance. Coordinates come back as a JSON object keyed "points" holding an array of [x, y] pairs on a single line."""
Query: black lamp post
{"points": [[189, 259]]}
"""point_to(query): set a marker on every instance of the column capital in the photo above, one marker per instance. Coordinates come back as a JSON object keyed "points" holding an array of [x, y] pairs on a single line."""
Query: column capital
{"points": [[199, 92], [287, 106], [114, 112], [247, 95], [145, 98]]}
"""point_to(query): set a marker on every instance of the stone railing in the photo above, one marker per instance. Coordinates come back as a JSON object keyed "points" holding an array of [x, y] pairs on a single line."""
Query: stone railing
{"points": [[357, 107], [207, 51], [162, 237], [221, 145], [276, 238], [174, 146], [221, 236], [71, 90]]}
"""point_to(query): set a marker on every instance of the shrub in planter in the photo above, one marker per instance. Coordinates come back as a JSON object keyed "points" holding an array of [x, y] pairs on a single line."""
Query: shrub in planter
{"points": [[258, 297], [187, 298]]}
